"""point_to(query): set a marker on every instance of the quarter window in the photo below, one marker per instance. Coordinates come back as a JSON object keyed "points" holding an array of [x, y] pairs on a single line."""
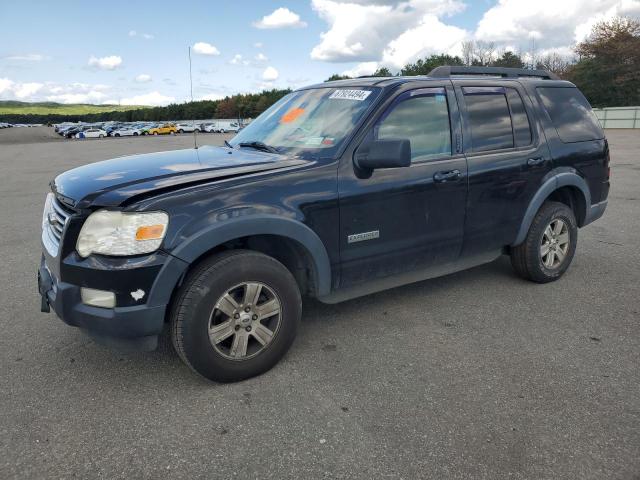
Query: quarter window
{"points": [[521, 126], [571, 114], [422, 116]]}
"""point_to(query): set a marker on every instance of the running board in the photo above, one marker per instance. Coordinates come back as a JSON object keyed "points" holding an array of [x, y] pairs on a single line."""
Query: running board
{"points": [[407, 278]]}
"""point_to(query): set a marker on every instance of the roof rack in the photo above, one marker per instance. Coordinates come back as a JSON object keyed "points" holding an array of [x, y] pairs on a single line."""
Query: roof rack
{"points": [[451, 71]]}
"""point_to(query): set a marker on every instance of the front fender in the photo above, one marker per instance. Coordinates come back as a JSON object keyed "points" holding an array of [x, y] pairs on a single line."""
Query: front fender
{"points": [[558, 180], [200, 243]]}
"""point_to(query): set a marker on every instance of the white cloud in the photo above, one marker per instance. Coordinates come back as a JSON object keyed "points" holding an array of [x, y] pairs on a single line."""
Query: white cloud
{"points": [[280, 18], [146, 36], [52, 92], [431, 36], [105, 63], [143, 78], [258, 45], [361, 30], [261, 57], [364, 68], [551, 23], [270, 74], [29, 57], [152, 98], [238, 60], [204, 48]]}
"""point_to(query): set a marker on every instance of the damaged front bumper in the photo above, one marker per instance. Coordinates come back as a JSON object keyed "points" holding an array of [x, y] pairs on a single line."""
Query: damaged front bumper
{"points": [[142, 288]]}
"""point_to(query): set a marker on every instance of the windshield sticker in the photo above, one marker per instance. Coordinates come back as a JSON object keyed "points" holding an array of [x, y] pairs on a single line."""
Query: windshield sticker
{"points": [[314, 140], [291, 115], [358, 95]]}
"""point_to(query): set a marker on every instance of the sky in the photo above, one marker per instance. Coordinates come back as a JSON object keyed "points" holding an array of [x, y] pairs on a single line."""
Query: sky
{"points": [[126, 52]]}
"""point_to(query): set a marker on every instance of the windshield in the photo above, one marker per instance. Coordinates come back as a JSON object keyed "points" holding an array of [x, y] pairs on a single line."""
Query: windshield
{"points": [[312, 121]]}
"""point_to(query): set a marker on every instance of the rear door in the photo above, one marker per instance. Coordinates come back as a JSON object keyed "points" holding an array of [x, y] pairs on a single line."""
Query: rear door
{"points": [[409, 218], [507, 158]]}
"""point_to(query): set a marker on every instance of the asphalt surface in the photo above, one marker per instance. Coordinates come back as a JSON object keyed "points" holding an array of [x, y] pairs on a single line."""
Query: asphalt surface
{"points": [[474, 375]]}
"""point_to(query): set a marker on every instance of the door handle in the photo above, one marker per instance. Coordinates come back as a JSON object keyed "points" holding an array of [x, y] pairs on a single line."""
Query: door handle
{"points": [[442, 177], [532, 162]]}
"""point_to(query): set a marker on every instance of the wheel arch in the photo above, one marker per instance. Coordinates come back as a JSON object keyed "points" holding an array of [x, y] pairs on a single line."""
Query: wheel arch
{"points": [[567, 187], [290, 241]]}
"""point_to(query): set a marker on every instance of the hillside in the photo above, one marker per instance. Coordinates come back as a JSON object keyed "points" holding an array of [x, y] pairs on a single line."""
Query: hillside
{"points": [[11, 107]]}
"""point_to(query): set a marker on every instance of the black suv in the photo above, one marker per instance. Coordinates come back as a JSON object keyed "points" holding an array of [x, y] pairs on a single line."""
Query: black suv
{"points": [[338, 190]]}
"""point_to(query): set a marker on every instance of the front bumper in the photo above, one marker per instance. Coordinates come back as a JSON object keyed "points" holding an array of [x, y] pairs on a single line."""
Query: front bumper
{"points": [[128, 326]]}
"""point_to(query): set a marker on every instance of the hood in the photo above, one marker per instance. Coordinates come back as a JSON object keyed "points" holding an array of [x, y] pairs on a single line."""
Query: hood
{"points": [[114, 182]]}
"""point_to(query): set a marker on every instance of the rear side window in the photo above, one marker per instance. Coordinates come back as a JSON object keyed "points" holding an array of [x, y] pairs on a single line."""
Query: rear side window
{"points": [[422, 116], [489, 118], [571, 114]]}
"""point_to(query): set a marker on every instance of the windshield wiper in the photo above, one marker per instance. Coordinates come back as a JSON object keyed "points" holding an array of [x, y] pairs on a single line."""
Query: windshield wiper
{"points": [[259, 146], [227, 144]]}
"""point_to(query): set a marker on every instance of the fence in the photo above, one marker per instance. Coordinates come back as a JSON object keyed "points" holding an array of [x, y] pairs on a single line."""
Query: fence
{"points": [[618, 117]]}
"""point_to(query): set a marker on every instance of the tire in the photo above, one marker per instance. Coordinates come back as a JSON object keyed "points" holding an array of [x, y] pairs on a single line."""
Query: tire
{"points": [[180, 131], [194, 312], [155, 133], [222, 130], [135, 134], [117, 135], [529, 259], [101, 136]]}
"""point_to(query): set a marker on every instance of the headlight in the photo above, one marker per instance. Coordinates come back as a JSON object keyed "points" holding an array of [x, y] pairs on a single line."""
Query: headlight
{"points": [[122, 233]]}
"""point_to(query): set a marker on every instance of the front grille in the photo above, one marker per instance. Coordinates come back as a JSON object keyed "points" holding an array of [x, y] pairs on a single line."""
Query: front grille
{"points": [[55, 219]]}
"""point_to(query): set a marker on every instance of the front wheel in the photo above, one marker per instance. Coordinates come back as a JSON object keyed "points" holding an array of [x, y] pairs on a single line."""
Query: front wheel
{"points": [[155, 133], [135, 134], [180, 131], [101, 136], [236, 315], [550, 245]]}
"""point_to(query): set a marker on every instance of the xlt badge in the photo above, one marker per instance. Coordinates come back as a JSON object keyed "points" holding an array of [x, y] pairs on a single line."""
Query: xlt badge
{"points": [[361, 237]]}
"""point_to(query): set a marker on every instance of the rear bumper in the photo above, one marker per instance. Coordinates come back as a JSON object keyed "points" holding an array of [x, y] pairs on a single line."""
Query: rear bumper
{"points": [[595, 212]]}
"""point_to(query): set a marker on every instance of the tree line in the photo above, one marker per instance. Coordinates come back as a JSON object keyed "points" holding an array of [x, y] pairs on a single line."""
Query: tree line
{"points": [[606, 67]]}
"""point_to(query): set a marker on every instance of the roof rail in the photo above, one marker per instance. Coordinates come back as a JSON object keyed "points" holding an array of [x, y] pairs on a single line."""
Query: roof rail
{"points": [[451, 71]]}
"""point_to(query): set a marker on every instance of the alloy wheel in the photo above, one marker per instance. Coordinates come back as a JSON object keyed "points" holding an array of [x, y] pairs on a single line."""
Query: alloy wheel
{"points": [[245, 320]]}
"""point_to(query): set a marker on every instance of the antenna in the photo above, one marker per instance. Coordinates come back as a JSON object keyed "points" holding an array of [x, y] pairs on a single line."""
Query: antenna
{"points": [[195, 137]]}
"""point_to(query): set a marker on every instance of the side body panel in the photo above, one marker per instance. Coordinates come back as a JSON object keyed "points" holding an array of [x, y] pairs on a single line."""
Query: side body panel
{"points": [[502, 183]]}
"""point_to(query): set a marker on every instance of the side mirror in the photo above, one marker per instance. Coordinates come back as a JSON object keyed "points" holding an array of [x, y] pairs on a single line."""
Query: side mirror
{"points": [[390, 153]]}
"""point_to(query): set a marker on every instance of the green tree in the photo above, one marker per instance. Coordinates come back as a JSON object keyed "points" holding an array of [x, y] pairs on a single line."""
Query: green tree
{"points": [[424, 66], [508, 59], [608, 72], [382, 72], [335, 76]]}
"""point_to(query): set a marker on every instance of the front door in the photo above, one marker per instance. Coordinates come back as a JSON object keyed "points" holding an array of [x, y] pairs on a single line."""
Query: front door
{"points": [[402, 219]]}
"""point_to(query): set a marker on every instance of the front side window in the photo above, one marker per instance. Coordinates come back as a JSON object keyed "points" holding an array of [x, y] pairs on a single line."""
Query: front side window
{"points": [[489, 118], [422, 117], [314, 121]]}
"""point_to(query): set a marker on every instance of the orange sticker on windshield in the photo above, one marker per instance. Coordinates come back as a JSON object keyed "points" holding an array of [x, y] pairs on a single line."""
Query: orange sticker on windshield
{"points": [[291, 115]]}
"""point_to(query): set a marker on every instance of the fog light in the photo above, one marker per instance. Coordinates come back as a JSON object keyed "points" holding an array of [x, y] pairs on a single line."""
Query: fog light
{"points": [[98, 298]]}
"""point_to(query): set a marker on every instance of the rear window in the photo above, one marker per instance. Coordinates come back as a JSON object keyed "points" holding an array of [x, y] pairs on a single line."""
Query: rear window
{"points": [[571, 114]]}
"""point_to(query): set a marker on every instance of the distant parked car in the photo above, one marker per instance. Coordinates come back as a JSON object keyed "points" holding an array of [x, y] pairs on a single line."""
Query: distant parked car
{"points": [[203, 126], [144, 130], [92, 133], [186, 127], [126, 132], [164, 129], [210, 128], [73, 131]]}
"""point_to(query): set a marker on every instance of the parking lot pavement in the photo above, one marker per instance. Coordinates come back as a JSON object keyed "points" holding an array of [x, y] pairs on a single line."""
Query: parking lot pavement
{"points": [[475, 375]]}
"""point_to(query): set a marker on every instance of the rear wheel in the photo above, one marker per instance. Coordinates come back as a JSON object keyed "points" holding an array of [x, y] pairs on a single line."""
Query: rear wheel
{"points": [[101, 135], [117, 134], [180, 131], [155, 133], [236, 315], [550, 245], [135, 134]]}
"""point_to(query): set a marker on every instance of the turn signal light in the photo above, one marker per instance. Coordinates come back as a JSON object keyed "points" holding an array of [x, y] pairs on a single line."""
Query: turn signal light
{"points": [[150, 232]]}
